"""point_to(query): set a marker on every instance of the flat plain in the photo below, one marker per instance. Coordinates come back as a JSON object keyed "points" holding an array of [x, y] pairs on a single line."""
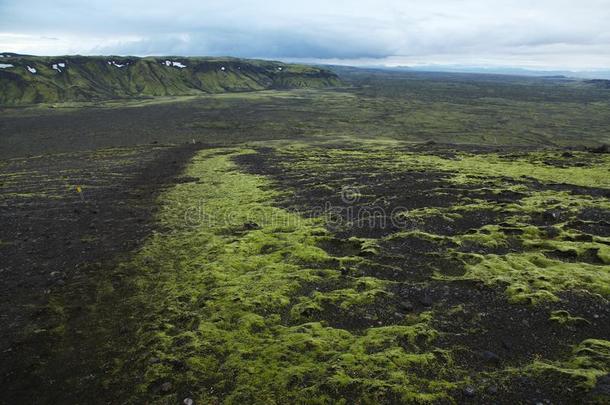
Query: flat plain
{"points": [[404, 238]]}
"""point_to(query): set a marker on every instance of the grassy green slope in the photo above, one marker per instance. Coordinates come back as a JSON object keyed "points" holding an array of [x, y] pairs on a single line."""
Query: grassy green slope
{"points": [[79, 78]]}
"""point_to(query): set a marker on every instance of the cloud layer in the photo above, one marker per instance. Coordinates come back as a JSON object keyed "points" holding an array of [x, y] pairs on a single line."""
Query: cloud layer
{"points": [[546, 34]]}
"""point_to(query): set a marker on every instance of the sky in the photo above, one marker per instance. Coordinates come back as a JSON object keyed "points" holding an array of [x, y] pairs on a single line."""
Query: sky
{"points": [[534, 34]]}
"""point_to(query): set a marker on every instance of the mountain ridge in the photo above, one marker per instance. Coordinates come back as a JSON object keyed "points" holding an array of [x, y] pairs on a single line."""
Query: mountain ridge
{"points": [[28, 80]]}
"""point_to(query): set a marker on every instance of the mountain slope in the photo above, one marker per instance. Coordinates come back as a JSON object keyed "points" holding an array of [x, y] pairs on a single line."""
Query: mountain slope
{"points": [[37, 79]]}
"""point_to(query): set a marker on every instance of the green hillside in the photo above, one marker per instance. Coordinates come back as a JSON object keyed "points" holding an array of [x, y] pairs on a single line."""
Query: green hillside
{"points": [[37, 79]]}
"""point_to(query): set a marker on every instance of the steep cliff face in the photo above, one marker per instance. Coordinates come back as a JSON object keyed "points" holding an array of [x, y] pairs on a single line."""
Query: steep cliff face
{"points": [[36, 79]]}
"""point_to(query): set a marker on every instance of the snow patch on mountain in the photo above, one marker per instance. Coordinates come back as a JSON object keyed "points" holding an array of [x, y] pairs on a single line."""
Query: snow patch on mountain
{"points": [[174, 64], [119, 65]]}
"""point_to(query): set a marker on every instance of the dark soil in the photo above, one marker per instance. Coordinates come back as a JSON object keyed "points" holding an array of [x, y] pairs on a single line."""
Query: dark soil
{"points": [[53, 243]]}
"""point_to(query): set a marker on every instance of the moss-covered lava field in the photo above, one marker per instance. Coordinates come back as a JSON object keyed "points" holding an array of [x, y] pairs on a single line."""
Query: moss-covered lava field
{"points": [[287, 254]]}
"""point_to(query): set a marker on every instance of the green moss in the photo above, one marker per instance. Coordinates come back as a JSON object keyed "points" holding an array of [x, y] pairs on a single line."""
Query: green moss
{"points": [[532, 277], [221, 288], [421, 214], [471, 168], [564, 318], [540, 201], [489, 236], [530, 273], [590, 360]]}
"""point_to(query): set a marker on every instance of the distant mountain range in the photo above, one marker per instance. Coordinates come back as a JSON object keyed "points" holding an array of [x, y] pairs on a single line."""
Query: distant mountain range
{"points": [[588, 74], [26, 79]]}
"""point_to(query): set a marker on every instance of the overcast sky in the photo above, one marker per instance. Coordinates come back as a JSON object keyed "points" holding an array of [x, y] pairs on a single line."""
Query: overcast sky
{"points": [[558, 34]]}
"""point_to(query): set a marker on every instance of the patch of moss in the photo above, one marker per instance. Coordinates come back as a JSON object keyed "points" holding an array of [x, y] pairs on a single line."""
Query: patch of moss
{"points": [[471, 168], [589, 360], [533, 277], [488, 235], [563, 317], [217, 285]]}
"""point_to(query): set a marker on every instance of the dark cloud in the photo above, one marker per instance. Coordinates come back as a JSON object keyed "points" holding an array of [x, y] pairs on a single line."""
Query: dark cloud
{"points": [[522, 32], [272, 44]]}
